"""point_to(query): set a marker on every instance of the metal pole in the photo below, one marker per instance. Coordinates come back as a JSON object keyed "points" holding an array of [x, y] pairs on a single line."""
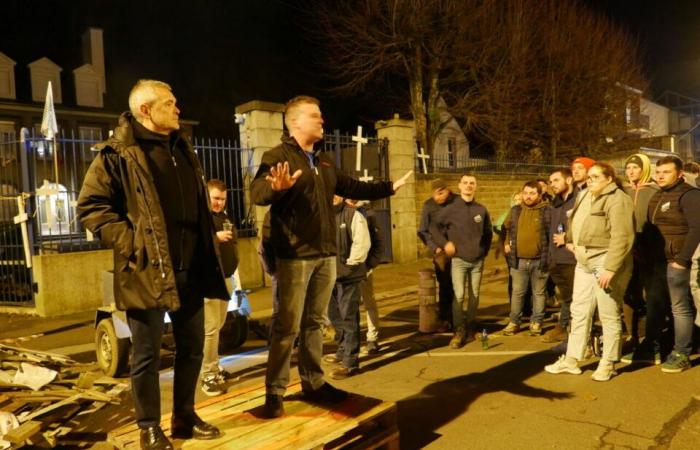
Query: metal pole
{"points": [[55, 160]]}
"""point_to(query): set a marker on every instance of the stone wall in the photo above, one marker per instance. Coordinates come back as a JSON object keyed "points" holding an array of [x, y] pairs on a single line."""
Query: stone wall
{"points": [[69, 283], [493, 191]]}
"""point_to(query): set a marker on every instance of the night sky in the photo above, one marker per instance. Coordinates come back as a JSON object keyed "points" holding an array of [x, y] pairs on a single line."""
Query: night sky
{"points": [[218, 54]]}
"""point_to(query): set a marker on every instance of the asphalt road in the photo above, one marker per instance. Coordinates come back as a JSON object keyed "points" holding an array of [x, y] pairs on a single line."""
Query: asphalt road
{"points": [[466, 398]]}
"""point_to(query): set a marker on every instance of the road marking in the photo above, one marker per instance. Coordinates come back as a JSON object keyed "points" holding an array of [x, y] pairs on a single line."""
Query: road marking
{"points": [[74, 349], [481, 353]]}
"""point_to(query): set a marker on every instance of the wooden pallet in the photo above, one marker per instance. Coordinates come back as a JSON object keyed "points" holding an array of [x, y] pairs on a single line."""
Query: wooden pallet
{"points": [[358, 422]]}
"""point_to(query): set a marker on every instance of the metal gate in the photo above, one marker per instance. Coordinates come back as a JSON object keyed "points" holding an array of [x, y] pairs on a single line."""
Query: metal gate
{"points": [[374, 166], [224, 160], [16, 286]]}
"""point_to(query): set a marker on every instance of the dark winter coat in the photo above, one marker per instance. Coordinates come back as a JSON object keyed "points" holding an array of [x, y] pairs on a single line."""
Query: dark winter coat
{"points": [[119, 202]]}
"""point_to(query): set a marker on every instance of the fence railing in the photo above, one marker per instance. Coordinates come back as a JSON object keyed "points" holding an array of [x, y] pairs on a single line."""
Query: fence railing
{"points": [[442, 164], [29, 163]]}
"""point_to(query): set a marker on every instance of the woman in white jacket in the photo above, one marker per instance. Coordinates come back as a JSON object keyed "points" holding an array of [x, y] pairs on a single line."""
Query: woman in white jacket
{"points": [[601, 233]]}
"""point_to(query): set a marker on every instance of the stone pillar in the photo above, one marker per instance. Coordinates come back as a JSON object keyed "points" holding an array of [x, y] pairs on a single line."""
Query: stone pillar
{"points": [[260, 125], [402, 146]]}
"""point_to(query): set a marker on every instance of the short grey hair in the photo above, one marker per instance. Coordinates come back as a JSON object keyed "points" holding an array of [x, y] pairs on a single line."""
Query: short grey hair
{"points": [[144, 93]]}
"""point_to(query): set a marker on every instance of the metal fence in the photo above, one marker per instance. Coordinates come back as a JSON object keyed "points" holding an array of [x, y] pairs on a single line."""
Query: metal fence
{"points": [[443, 164], [28, 164]]}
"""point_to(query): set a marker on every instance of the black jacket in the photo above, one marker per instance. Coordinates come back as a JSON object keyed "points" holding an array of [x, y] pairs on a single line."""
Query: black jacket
{"points": [[347, 273], [559, 224], [302, 220], [427, 220], [119, 202], [467, 225], [672, 230], [228, 250]]}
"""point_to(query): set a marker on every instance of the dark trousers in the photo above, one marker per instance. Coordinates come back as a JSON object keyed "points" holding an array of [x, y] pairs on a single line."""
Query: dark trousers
{"points": [[634, 300], [563, 277], [657, 301], [146, 336], [446, 292], [344, 312]]}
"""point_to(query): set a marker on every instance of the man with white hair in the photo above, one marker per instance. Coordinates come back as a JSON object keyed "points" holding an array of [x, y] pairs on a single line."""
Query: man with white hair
{"points": [[144, 196]]}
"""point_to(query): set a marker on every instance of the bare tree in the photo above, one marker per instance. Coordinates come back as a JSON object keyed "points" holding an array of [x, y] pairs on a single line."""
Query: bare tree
{"points": [[417, 39], [525, 74]]}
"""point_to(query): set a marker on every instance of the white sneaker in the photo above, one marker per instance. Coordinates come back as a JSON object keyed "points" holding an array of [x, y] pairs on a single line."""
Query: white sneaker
{"points": [[561, 366], [213, 385], [604, 371]]}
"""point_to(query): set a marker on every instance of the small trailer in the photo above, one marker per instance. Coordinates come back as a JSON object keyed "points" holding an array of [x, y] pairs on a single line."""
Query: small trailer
{"points": [[113, 337]]}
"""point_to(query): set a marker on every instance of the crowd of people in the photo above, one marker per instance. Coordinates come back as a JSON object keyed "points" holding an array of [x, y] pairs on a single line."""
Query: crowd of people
{"points": [[617, 251], [623, 250]]}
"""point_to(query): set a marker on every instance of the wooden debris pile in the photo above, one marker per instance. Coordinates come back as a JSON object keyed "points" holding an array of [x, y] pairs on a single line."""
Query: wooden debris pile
{"points": [[41, 392]]}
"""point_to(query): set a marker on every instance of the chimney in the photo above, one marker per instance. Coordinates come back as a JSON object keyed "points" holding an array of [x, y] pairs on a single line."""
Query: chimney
{"points": [[93, 53]]}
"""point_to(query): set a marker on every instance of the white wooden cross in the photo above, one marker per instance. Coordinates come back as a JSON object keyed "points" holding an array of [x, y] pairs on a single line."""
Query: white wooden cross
{"points": [[358, 154], [366, 177], [423, 156], [21, 218]]}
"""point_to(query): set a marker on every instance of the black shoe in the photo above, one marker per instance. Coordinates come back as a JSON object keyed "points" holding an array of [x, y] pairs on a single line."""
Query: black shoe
{"points": [[273, 406], [192, 428], [325, 394], [153, 438]]}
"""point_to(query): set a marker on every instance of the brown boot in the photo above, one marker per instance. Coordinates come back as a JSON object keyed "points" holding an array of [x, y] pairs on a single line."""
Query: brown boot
{"points": [[556, 334], [459, 339]]}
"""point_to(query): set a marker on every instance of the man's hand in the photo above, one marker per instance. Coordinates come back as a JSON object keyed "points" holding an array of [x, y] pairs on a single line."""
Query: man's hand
{"points": [[604, 278], [224, 236], [559, 239], [675, 265], [438, 250], [279, 177], [450, 249], [506, 249], [401, 181], [570, 247]]}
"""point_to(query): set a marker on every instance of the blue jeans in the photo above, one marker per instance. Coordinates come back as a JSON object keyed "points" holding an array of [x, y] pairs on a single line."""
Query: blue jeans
{"points": [[681, 308], [344, 312], [528, 274], [303, 290], [467, 275]]}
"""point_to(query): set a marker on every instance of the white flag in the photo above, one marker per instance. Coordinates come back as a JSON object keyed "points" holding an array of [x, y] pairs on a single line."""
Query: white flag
{"points": [[49, 127]]}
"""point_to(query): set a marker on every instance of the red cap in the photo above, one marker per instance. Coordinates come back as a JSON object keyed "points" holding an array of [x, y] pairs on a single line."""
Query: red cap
{"points": [[587, 162]]}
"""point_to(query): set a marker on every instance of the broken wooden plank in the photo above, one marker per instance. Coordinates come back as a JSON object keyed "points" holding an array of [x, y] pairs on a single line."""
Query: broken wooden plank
{"points": [[23, 432], [37, 355], [75, 398]]}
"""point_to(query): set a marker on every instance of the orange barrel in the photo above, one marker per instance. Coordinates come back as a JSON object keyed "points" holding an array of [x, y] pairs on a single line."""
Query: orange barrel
{"points": [[427, 303]]}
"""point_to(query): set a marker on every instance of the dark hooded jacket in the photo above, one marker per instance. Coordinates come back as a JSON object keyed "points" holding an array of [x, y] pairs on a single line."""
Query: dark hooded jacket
{"points": [[119, 202]]}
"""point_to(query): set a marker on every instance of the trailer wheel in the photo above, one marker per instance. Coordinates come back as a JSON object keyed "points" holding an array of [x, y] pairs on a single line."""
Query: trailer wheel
{"points": [[112, 353], [234, 333]]}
